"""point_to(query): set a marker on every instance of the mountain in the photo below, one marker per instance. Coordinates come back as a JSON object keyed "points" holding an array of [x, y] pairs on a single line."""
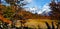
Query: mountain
{"points": [[29, 15]]}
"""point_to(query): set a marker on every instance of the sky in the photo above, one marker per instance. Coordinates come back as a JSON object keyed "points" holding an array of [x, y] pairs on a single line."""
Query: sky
{"points": [[36, 6], [39, 6], [38, 3]]}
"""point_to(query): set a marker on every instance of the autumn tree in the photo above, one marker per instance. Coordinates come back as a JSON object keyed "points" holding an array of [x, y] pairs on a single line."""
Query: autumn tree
{"points": [[55, 7], [55, 13], [17, 5]]}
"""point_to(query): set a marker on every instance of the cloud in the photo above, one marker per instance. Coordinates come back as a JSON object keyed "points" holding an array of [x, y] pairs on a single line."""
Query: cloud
{"points": [[39, 12], [28, 1], [32, 9], [45, 9]]}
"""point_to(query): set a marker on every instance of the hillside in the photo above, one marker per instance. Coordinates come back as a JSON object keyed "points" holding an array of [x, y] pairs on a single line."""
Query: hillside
{"points": [[10, 10], [29, 15]]}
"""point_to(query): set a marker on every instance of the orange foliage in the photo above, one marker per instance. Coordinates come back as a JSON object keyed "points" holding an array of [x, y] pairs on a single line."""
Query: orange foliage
{"points": [[5, 20]]}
